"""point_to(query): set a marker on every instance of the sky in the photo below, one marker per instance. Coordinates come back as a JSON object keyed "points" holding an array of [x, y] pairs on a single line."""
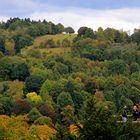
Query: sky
{"points": [[119, 14]]}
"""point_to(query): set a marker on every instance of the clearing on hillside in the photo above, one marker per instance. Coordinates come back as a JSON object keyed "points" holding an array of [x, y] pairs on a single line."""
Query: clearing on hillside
{"points": [[57, 37], [49, 51]]}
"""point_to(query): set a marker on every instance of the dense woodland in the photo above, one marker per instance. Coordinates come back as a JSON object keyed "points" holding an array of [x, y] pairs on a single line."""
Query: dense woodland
{"points": [[58, 85]]}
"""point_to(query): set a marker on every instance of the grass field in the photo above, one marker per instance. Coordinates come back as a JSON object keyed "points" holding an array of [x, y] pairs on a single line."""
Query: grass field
{"points": [[49, 51], [57, 37]]}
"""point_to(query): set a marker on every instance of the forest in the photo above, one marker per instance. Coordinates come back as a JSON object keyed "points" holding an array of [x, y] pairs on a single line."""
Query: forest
{"points": [[56, 84]]}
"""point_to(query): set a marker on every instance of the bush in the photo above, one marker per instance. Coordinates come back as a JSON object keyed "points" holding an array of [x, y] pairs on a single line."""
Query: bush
{"points": [[34, 53], [50, 43]]}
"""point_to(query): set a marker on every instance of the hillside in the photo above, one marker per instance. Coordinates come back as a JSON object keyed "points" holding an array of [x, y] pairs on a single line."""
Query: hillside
{"points": [[68, 87]]}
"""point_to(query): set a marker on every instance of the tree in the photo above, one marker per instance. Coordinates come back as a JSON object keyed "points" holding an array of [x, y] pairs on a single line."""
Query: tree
{"points": [[135, 95], [117, 67], [33, 83], [63, 133], [20, 130], [91, 85], [121, 90], [42, 132], [69, 30], [33, 98], [33, 115], [47, 110], [86, 32], [11, 21], [6, 105], [82, 31], [126, 102], [138, 57], [60, 28], [5, 68], [51, 89], [1, 133], [89, 33], [16, 25], [98, 123], [20, 72], [67, 114], [33, 31], [21, 107], [13, 89], [134, 67], [2, 44], [81, 44], [135, 36], [78, 99], [60, 68], [100, 34], [129, 57], [46, 88], [43, 120], [42, 29], [100, 55], [49, 63], [22, 40], [64, 99], [114, 53], [50, 28], [115, 36], [12, 68], [109, 34], [9, 46]]}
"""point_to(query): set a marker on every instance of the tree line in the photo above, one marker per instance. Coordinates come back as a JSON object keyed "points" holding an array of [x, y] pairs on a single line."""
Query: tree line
{"points": [[83, 87], [17, 33]]}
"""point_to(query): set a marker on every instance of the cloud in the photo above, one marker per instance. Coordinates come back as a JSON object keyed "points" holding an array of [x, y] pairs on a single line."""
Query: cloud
{"points": [[22, 8], [3, 18], [122, 18], [125, 18]]}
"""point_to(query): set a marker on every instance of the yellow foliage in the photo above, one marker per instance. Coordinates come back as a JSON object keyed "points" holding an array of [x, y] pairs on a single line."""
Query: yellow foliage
{"points": [[15, 128], [45, 132], [74, 129], [99, 96], [15, 89], [9, 45], [78, 80], [32, 96]]}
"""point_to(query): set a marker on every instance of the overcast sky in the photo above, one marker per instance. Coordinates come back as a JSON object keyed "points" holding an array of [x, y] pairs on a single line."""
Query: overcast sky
{"points": [[119, 14]]}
